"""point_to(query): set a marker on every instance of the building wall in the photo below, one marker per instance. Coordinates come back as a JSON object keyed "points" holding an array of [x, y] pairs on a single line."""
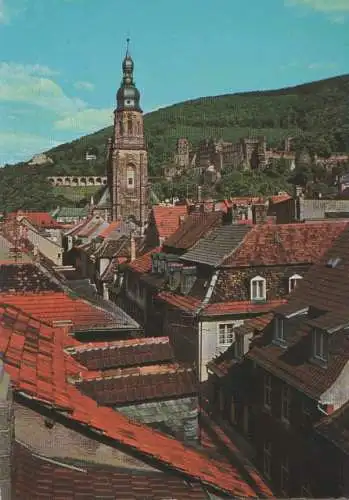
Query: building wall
{"points": [[210, 347], [6, 434], [234, 284], [178, 417], [46, 247]]}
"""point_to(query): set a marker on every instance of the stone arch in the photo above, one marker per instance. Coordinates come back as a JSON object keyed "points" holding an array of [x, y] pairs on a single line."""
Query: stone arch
{"points": [[98, 181], [104, 181], [74, 181], [91, 181], [59, 181], [83, 181], [52, 181], [67, 181]]}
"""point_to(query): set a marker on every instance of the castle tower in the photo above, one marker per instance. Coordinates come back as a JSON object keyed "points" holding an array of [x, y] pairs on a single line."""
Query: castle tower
{"points": [[128, 161]]}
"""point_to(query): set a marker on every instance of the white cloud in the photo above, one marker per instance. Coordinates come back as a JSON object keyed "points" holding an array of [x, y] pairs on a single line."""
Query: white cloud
{"points": [[16, 147], [30, 84], [84, 85], [87, 120], [328, 6], [2, 12]]}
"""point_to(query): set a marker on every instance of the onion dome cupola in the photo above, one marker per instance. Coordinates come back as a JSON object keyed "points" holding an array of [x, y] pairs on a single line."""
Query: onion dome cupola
{"points": [[128, 96]]}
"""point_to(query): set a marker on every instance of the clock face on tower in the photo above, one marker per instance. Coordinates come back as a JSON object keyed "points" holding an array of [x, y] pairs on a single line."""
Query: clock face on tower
{"points": [[129, 103]]}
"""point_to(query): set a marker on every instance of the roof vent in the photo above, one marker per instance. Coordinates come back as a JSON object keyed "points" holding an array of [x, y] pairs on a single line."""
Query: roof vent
{"points": [[333, 262]]}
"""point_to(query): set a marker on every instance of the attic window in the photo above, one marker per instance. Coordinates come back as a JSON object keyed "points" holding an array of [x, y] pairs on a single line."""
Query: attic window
{"points": [[292, 282], [333, 262], [258, 288], [279, 331], [319, 346]]}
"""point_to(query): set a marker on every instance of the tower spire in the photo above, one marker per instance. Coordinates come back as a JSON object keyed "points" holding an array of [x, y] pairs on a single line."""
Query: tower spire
{"points": [[128, 46]]}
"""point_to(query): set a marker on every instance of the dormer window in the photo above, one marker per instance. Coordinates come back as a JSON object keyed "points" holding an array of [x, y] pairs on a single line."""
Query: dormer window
{"points": [[279, 331], [292, 282], [258, 288], [319, 346]]}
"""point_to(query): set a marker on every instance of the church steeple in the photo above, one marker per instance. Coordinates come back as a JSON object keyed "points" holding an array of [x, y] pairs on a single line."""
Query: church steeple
{"points": [[128, 96]]}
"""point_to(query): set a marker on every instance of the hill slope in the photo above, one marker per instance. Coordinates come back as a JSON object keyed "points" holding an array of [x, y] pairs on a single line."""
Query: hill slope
{"points": [[318, 109]]}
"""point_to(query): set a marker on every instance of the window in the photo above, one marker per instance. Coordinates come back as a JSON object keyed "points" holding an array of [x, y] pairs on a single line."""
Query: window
{"points": [[284, 475], [279, 330], [129, 125], [121, 128], [258, 288], [267, 391], [319, 345], [225, 333], [130, 178], [292, 282], [267, 459], [285, 404], [239, 346]]}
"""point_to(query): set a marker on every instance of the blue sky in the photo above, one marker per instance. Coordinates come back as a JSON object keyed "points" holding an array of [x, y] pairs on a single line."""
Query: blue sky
{"points": [[60, 60]]}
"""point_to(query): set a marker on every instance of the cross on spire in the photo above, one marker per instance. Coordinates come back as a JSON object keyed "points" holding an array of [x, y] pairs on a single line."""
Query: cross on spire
{"points": [[127, 45]]}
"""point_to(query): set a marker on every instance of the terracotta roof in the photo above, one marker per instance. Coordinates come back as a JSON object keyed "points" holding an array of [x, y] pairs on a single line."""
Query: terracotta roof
{"points": [[192, 229], [57, 307], [39, 219], [138, 384], [37, 477], [24, 278], [277, 198], [285, 244], [123, 353], [181, 301], [108, 230], [39, 368], [143, 263], [243, 307], [188, 303], [167, 219], [323, 293]]}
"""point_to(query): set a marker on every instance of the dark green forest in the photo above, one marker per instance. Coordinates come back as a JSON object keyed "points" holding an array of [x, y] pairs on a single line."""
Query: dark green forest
{"points": [[317, 114]]}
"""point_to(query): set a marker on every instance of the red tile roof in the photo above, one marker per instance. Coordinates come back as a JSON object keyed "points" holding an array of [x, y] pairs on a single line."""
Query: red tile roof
{"points": [[39, 368], [189, 303], [35, 477], [181, 301], [167, 219], [277, 198], [285, 244], [143, 263], [55, 307], [192, 229], [108, 230], [138, 384], [122, 353], [243, 307], [39, 219]]}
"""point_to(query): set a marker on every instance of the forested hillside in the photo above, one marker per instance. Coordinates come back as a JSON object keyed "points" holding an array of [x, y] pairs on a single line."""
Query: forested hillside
{"points": [[318, 112]]}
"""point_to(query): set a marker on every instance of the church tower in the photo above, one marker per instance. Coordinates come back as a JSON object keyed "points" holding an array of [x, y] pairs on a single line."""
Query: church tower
{"points": [[128, 160]]}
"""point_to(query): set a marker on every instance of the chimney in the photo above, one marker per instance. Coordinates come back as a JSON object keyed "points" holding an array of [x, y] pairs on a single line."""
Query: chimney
{"points": [[133, 247], [199, 194], [6, 433], [259, 213]]}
